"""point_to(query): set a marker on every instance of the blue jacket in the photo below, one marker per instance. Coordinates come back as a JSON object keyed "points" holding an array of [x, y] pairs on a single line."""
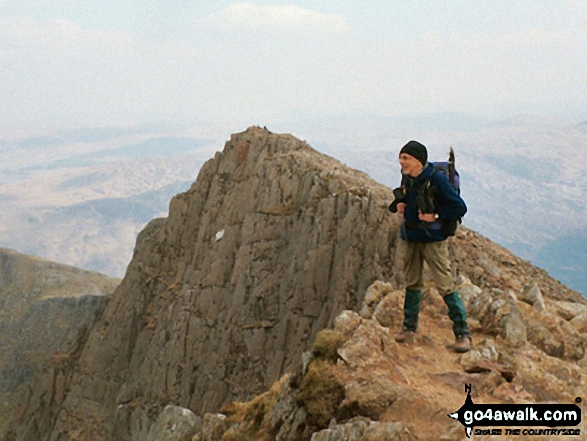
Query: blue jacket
{"points": [[447, 204]]}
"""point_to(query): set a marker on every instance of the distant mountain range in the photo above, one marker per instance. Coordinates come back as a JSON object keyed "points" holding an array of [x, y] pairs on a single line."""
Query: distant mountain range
{"points": [[82, 200], [81, 197]]}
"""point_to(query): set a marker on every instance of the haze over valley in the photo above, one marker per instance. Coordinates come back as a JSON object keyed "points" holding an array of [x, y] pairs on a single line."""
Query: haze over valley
{"points": [[81, 197]]}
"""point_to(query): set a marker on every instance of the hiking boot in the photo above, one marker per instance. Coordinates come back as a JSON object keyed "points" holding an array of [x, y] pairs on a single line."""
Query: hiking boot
{"points": [[463, 344], [403, 336]]}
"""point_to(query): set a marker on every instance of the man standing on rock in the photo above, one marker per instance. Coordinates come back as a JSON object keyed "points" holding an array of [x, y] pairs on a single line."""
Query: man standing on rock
{"points": [[430, 207]]}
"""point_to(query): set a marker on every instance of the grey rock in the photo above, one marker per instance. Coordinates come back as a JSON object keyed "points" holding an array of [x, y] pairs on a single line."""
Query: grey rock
{"points": [[347, 322], [580, 323], [389, 312], [468, 291], [213, 427], [514, 328], [362, 429], [373, 296], [175, 424], [531, 294], [569, 310]]}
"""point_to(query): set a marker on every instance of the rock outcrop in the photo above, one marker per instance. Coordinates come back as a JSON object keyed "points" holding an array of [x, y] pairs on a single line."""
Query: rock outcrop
{"points": [[46, 309], [358, 384], [221, 298], [224, 298]]}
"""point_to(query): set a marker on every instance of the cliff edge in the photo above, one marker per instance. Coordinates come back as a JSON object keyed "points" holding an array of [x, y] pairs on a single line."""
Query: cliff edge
{"points": [[45, 308]]}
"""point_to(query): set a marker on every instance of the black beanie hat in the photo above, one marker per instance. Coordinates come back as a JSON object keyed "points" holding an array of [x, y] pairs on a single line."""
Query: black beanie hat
{"points": [[417, 150]]}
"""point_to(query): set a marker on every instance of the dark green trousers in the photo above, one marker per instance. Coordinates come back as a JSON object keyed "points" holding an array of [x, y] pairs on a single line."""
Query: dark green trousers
{"points": [[412, 309], [456, 311]]}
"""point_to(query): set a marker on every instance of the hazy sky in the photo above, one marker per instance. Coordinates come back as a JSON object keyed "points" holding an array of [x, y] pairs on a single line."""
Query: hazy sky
{"points": [[82, 62]]}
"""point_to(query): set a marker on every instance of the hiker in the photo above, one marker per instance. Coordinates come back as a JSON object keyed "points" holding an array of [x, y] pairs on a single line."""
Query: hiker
{"points": [[430, 207]]}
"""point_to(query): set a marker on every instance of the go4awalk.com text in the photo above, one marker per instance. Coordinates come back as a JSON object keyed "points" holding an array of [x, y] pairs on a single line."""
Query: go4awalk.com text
{"points": [[528, 432], [520, 419]]}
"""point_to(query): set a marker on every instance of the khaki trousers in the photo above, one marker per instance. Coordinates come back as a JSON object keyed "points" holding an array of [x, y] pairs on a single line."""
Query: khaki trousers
{"points": [[436, 256]]}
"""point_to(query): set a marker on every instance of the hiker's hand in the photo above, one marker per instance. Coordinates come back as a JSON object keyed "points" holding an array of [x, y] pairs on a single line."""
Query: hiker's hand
{"points": [[431, 217], [401, 207]]}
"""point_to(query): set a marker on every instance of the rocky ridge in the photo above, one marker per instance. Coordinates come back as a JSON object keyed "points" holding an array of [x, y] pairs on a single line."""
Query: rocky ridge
{"points": [[45, 308], [358, 384], [271, 245]]}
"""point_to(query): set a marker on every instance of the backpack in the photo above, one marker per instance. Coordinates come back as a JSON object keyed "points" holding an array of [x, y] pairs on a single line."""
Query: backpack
{"points": [[425, 198], [448, 169], [427, 192]]}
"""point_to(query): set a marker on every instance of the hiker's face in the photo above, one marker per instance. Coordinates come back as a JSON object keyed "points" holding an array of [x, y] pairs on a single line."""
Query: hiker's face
{"points": [[410, 165]]}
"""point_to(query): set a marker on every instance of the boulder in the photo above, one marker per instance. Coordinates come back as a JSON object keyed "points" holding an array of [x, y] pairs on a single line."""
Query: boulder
{"points": [[175, 424]]}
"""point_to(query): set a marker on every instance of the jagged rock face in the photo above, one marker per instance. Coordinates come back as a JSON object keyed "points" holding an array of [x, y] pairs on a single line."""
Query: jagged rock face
{"points": [[45, 308], [271, 242], [365, 386], [269, 245]]}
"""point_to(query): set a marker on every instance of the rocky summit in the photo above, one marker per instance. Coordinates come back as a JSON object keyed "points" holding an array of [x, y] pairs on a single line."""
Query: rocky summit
{"points": [[263, 308]]}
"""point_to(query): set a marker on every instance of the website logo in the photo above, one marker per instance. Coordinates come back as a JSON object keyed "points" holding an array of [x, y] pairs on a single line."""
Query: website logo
{"points": [[553, 416]]}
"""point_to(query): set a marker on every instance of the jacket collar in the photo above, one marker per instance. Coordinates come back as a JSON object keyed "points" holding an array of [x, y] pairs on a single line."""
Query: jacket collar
{"points": [[425, 174]]}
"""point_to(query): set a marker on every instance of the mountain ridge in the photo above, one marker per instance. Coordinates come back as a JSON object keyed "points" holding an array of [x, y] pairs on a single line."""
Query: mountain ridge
{"points": [[44, 307], [364, 142], [270, 245]]}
